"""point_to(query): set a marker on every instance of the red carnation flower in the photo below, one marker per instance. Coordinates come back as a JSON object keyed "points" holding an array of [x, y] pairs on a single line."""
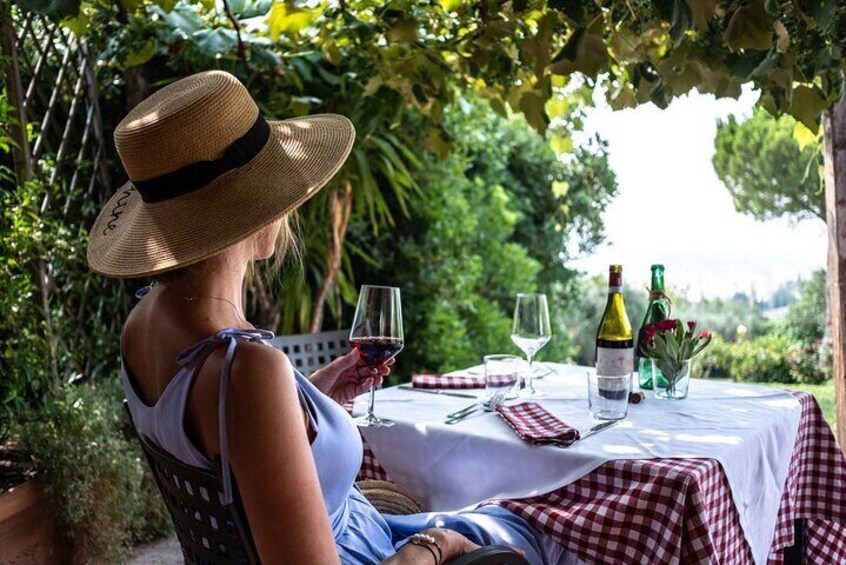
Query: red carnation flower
{"points": [[667, 325]]}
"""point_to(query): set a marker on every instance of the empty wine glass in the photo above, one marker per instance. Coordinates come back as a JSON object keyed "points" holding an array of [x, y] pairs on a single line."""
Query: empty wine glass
{"points": [[377, 334], [530, 332]]}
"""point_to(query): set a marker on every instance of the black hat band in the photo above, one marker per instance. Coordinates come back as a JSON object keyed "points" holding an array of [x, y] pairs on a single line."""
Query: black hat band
{"points": [[194, 176]]}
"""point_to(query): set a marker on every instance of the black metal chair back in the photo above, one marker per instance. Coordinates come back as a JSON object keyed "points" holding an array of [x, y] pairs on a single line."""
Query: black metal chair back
{"points": [[209, 532]]}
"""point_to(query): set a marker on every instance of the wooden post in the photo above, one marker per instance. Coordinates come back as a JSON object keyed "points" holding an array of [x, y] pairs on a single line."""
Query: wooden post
{"points": [[834, 124]]}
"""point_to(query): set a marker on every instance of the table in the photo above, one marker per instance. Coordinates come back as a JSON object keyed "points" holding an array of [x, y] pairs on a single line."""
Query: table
{"points": [[682, 510]]}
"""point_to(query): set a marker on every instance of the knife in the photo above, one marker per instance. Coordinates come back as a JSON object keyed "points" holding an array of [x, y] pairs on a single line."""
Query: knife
{"points": [[598, 428], [437, 391], [594, 430]]}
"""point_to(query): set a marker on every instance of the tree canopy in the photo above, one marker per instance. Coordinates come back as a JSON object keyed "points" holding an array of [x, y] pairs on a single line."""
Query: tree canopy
{"points": [[384, 64], [514, 53], [768, 172]]}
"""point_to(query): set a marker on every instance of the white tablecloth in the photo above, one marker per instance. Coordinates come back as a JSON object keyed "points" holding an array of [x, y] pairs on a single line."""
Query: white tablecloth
{"points": [[750, 430]]}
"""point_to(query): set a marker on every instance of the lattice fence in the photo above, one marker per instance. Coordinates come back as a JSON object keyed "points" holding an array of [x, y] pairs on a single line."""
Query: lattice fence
{"points": [[58, 98], [51, 83]]}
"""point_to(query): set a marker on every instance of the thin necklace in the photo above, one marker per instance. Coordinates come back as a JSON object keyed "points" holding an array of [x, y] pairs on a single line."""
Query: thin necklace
{"points": [[194, 298]]}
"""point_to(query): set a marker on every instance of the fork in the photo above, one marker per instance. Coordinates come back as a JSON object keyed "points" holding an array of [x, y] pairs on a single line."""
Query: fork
{"points": [[488, 406], [472, 408]]}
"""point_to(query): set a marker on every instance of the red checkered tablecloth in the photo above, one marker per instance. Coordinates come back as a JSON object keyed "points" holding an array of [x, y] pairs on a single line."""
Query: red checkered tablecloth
{"points": [[681, 510]]}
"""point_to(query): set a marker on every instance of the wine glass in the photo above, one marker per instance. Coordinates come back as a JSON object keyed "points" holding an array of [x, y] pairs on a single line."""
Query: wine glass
{"points": [[377, 334], [531, 331]]}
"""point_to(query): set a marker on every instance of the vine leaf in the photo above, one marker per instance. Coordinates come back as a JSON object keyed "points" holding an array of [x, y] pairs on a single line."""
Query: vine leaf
{"points": [[807, 105], [702, 11], [434, 142], [219, 40], [803, 136], [284, 19], [750, 27], [533, 105], [584, 52], [451, 5], [140, 55], [79, 24]]}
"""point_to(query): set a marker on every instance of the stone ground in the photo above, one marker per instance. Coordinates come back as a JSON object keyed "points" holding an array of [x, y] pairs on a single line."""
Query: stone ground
{"points": [[161, 552]]}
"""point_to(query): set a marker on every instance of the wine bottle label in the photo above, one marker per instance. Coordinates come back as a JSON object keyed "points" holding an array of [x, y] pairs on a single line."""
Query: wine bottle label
{"points": [[614, 362]]}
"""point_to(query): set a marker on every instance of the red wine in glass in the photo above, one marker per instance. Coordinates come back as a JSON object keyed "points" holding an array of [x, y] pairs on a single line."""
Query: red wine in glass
{"points": [[377, 334], [376, 351]]}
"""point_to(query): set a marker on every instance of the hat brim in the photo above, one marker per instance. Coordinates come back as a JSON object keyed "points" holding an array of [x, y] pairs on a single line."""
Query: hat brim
{"points": [[131, 239]]}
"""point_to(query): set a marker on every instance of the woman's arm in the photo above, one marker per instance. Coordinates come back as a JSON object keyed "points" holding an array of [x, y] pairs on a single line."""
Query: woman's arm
{"points": [[272, 461]]}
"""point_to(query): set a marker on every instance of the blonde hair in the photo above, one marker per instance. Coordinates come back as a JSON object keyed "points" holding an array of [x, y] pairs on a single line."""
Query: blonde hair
{"points": [[286, 248]]}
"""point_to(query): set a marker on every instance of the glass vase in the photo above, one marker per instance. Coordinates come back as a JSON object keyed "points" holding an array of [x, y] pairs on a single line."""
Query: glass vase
{"points": [[646, 373], [667, 386]]}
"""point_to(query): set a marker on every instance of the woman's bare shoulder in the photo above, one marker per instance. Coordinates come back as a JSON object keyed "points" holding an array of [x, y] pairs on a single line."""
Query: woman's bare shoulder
{"points": [[260, 363], [261, 389]]}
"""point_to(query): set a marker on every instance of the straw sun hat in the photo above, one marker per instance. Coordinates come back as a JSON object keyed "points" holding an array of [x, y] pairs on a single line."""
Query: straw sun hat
{"points": [[206, 171]]}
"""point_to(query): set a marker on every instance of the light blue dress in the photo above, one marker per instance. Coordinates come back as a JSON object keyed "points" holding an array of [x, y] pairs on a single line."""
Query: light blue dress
{"points": [[362, 534]]}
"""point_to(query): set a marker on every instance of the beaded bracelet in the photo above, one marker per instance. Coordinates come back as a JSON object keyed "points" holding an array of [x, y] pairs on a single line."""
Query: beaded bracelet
{"points": [[427, 541]]}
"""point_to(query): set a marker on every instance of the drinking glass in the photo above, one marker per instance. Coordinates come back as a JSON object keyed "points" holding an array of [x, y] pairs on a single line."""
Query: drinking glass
{"points": [[377, 334], [531, 332], [502, 373], [608, 396]]}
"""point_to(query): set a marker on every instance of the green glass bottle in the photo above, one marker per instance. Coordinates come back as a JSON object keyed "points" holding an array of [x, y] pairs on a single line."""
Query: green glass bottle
{"points": [[658, 309]]}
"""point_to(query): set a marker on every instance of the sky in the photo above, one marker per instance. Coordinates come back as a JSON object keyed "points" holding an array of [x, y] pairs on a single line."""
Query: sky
{"points": [[671, 208]]}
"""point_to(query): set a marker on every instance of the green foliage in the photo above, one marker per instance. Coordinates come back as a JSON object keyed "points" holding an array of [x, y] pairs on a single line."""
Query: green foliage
{"points": [[454, 294], [25, 362], [725, 317], [384, 65], [491, 221], [61, 325], [95, 477], [47, 337], [766, 170], [517, 53], [805, 320], [774, 357], [560, 198], [47, 291]]}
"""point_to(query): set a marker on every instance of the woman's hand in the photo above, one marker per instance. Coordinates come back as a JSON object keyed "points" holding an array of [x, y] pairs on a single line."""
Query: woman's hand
{"points": [[451, 543], [348, 376]]}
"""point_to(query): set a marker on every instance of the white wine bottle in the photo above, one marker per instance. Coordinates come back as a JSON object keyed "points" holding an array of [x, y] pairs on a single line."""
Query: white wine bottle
{"points": [[614, 344]]}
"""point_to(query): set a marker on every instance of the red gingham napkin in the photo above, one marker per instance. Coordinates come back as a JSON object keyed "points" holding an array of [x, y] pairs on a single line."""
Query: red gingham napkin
{"points": [[443, 381], [535, 424], [458, 381]]}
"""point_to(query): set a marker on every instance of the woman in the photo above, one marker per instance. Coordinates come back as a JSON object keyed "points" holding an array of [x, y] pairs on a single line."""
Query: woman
{"points": [[212, 185]]}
